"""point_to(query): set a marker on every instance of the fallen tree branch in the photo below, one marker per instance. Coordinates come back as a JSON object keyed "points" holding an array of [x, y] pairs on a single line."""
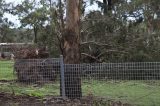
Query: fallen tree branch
{"points": [[111, 51], [95, 43], [90, 56]]}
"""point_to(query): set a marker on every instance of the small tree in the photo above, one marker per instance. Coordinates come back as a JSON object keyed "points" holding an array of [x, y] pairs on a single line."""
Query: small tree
{"points": [[31, 15]]}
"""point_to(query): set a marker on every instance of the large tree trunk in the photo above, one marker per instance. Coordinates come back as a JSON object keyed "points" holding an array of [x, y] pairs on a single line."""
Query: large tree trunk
{"points": [[71, 50], [61, 15], [107, 6], [35, 34]]}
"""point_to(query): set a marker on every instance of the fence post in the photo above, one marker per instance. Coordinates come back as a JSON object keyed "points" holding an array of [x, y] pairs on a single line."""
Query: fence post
{"points": [[62, 77]]}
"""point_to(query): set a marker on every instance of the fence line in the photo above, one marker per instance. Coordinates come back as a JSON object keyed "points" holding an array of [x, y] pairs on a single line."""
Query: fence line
{"points": [[50, 74]]}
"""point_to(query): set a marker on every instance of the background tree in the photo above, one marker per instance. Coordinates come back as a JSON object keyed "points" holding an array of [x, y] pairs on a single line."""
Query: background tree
{"points": [[6, 33], [41, 21], [32, 16], [121, 31], [123, 35]]}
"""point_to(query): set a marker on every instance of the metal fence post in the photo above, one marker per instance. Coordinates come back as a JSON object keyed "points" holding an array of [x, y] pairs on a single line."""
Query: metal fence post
{"points": [[62, 76]]}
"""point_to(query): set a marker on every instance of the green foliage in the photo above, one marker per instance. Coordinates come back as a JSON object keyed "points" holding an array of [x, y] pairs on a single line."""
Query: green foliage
{"points": [[107, 37], [5, 24], [38, 23], [1, 9], [32, 16], [120, 39]]}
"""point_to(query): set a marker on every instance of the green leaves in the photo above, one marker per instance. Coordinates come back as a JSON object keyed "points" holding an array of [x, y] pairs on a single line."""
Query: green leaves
{"points": [[33, 15], [37, 17]]}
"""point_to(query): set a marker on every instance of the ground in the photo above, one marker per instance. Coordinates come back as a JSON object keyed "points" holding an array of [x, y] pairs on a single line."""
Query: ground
{"points": [[99, 93], [7, 99]]}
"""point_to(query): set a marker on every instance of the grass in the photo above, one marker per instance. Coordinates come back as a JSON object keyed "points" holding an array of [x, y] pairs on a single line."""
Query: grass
{"points": [[139, 93], [6, 70], [31, 90], [7, 73]]}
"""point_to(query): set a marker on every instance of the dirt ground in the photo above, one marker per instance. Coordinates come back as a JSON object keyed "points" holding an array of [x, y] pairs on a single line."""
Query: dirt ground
{"points": [[12, 100]]}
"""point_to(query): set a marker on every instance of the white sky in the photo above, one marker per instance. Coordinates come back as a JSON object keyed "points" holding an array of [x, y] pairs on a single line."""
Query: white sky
{"points": [[15, 20], [10, 17]]}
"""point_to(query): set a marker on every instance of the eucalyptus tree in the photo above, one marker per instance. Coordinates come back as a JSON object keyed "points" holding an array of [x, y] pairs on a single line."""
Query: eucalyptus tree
{"points": [[71, 49], [33, 15], [128, 31], [1, 10], [6, 33]]}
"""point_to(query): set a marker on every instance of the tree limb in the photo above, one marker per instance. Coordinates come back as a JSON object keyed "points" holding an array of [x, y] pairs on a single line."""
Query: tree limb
{"points": [[90, 56], [111, 51], [95, 43]]}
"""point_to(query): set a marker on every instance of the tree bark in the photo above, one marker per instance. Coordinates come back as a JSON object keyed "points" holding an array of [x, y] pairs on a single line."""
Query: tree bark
{"points": [[109, 4], [35, 34], [71, 49], [61, 15], [105, 6]]}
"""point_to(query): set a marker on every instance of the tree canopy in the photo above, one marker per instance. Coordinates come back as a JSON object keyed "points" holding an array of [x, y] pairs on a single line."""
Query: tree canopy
{"points": [[121, 30]]}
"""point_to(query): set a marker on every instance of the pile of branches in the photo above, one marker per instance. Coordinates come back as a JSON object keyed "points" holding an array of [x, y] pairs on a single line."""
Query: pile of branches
{"points": [[30, 53], [33, 66]]}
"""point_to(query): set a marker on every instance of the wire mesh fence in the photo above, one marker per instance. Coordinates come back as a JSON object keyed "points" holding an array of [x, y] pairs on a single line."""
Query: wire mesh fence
{"points": [[133, 82], [34, 77], [122, 71], [37, 70]]}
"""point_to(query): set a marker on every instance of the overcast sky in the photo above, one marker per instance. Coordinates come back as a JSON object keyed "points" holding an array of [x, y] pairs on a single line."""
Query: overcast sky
{"points": [[15, 20]]}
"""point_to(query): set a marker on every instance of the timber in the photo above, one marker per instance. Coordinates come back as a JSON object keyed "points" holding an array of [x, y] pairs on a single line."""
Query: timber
{"points": [[71, 50]]}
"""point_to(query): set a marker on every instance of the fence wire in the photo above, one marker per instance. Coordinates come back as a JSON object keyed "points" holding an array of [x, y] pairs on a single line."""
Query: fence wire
{"points": [[122, 71], [37, 70], [128, 82]]}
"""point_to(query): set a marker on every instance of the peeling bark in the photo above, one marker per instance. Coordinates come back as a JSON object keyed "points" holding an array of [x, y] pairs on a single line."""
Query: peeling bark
{"points": [[71, 50]]}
